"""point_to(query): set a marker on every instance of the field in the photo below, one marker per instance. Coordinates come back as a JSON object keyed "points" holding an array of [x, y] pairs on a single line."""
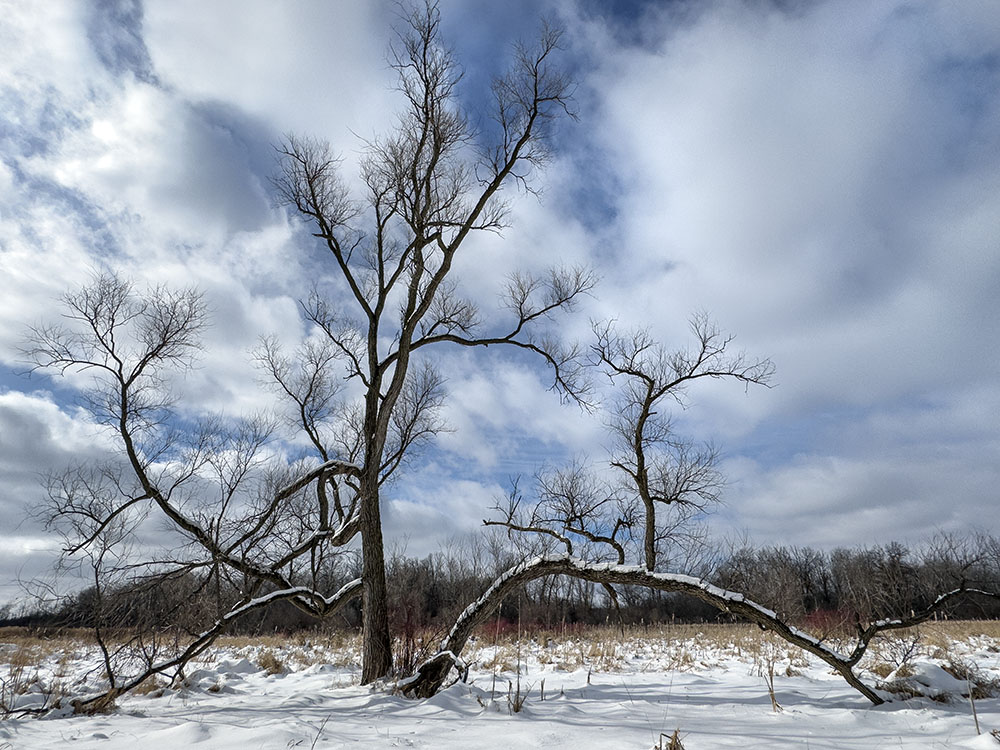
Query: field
{"points": [[716, 686]]}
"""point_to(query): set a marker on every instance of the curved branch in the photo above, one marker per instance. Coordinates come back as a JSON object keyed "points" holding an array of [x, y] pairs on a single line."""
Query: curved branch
{"points": [[533, 530], [567, 383], [430, 675], [205, 639], [330, 468]]}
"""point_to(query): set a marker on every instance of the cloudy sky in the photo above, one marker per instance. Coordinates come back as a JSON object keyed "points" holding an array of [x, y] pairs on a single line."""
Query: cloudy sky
{"points": [[823, 178]]}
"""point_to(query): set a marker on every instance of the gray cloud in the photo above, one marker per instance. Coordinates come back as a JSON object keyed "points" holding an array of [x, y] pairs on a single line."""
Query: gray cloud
{"points": [[37, 438], [825, 183], [115, 32]]}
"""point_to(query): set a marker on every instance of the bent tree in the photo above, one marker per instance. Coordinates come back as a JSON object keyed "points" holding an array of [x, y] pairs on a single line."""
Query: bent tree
{"points": [[594, 520], [432, 674], [231, 521]]}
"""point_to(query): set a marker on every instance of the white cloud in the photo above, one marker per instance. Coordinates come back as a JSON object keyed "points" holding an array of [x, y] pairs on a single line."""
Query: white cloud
{"points": [[433, 510], [147, 158], [309, 67], [827, 501], [902, 472], [139, 179], [779, 167], [825, 184], [44, 51], [503, 416]]}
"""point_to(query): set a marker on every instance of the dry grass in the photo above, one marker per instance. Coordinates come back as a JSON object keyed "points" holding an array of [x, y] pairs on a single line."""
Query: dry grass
{"points": [[884, 669], [300, 650], [672, 742], [981, 684], [21, 657], [679, 647], [603, 649], [151, 686], [673, 647], [271, 662]]}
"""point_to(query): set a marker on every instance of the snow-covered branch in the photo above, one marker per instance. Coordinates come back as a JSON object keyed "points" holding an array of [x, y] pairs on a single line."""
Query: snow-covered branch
{"points": [[208, 636], [430, 675]]}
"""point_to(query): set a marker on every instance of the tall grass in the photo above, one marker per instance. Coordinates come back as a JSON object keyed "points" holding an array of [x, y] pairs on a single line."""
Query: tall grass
{"points": [[48, 663]]}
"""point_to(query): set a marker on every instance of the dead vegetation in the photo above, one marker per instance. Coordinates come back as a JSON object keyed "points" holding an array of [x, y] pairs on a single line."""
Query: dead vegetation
{"points": [[41, 665]]}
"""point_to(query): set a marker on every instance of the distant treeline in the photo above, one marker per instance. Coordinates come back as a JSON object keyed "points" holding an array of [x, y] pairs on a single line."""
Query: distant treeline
{"points": [[803, 585]]}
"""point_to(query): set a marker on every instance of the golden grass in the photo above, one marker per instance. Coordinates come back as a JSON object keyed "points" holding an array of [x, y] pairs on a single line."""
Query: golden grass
{"points": [[153, 685], [600, 648], [271, 662]]}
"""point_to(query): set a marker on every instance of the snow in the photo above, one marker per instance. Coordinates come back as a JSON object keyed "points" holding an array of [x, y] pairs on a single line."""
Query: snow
{"points": [[598, 695], [929, 679]]}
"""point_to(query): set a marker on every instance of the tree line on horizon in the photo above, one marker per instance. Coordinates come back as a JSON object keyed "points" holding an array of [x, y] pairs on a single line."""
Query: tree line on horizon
{"points": [[826, 590]]}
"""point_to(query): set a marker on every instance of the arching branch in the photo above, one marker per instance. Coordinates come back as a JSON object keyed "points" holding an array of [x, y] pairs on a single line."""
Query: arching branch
{"points": [[430, 676]]}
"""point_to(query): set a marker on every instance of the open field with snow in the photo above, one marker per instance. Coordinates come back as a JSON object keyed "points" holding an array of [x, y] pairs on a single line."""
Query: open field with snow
{"points": [[582, 691]]}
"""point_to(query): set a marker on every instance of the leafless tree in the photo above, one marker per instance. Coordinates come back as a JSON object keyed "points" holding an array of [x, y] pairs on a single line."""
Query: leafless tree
{"points": [[662, 470], [660, 482], [432, 673], [669, 478], [429, 184], [230, 516], [244, 523]]}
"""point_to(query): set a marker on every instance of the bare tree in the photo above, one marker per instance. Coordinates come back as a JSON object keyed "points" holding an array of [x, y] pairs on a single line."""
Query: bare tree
{"points": [[239, 521], [661, 482], [231, 516], [430, 184], [670, 478], [431, 675], [662, 470]]}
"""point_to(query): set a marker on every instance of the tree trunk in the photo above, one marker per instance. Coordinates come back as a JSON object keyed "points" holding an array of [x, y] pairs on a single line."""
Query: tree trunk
{"points": [[431, 675], [376, 657], [649, 541]]}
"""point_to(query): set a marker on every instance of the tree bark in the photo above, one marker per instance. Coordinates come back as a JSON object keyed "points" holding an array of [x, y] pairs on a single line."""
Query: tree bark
{"points": [[376, 642], [649, 533]]}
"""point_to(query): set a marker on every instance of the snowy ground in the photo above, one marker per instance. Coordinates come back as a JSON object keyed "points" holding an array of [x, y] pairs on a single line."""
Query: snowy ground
{"points": [[599, 693]]}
